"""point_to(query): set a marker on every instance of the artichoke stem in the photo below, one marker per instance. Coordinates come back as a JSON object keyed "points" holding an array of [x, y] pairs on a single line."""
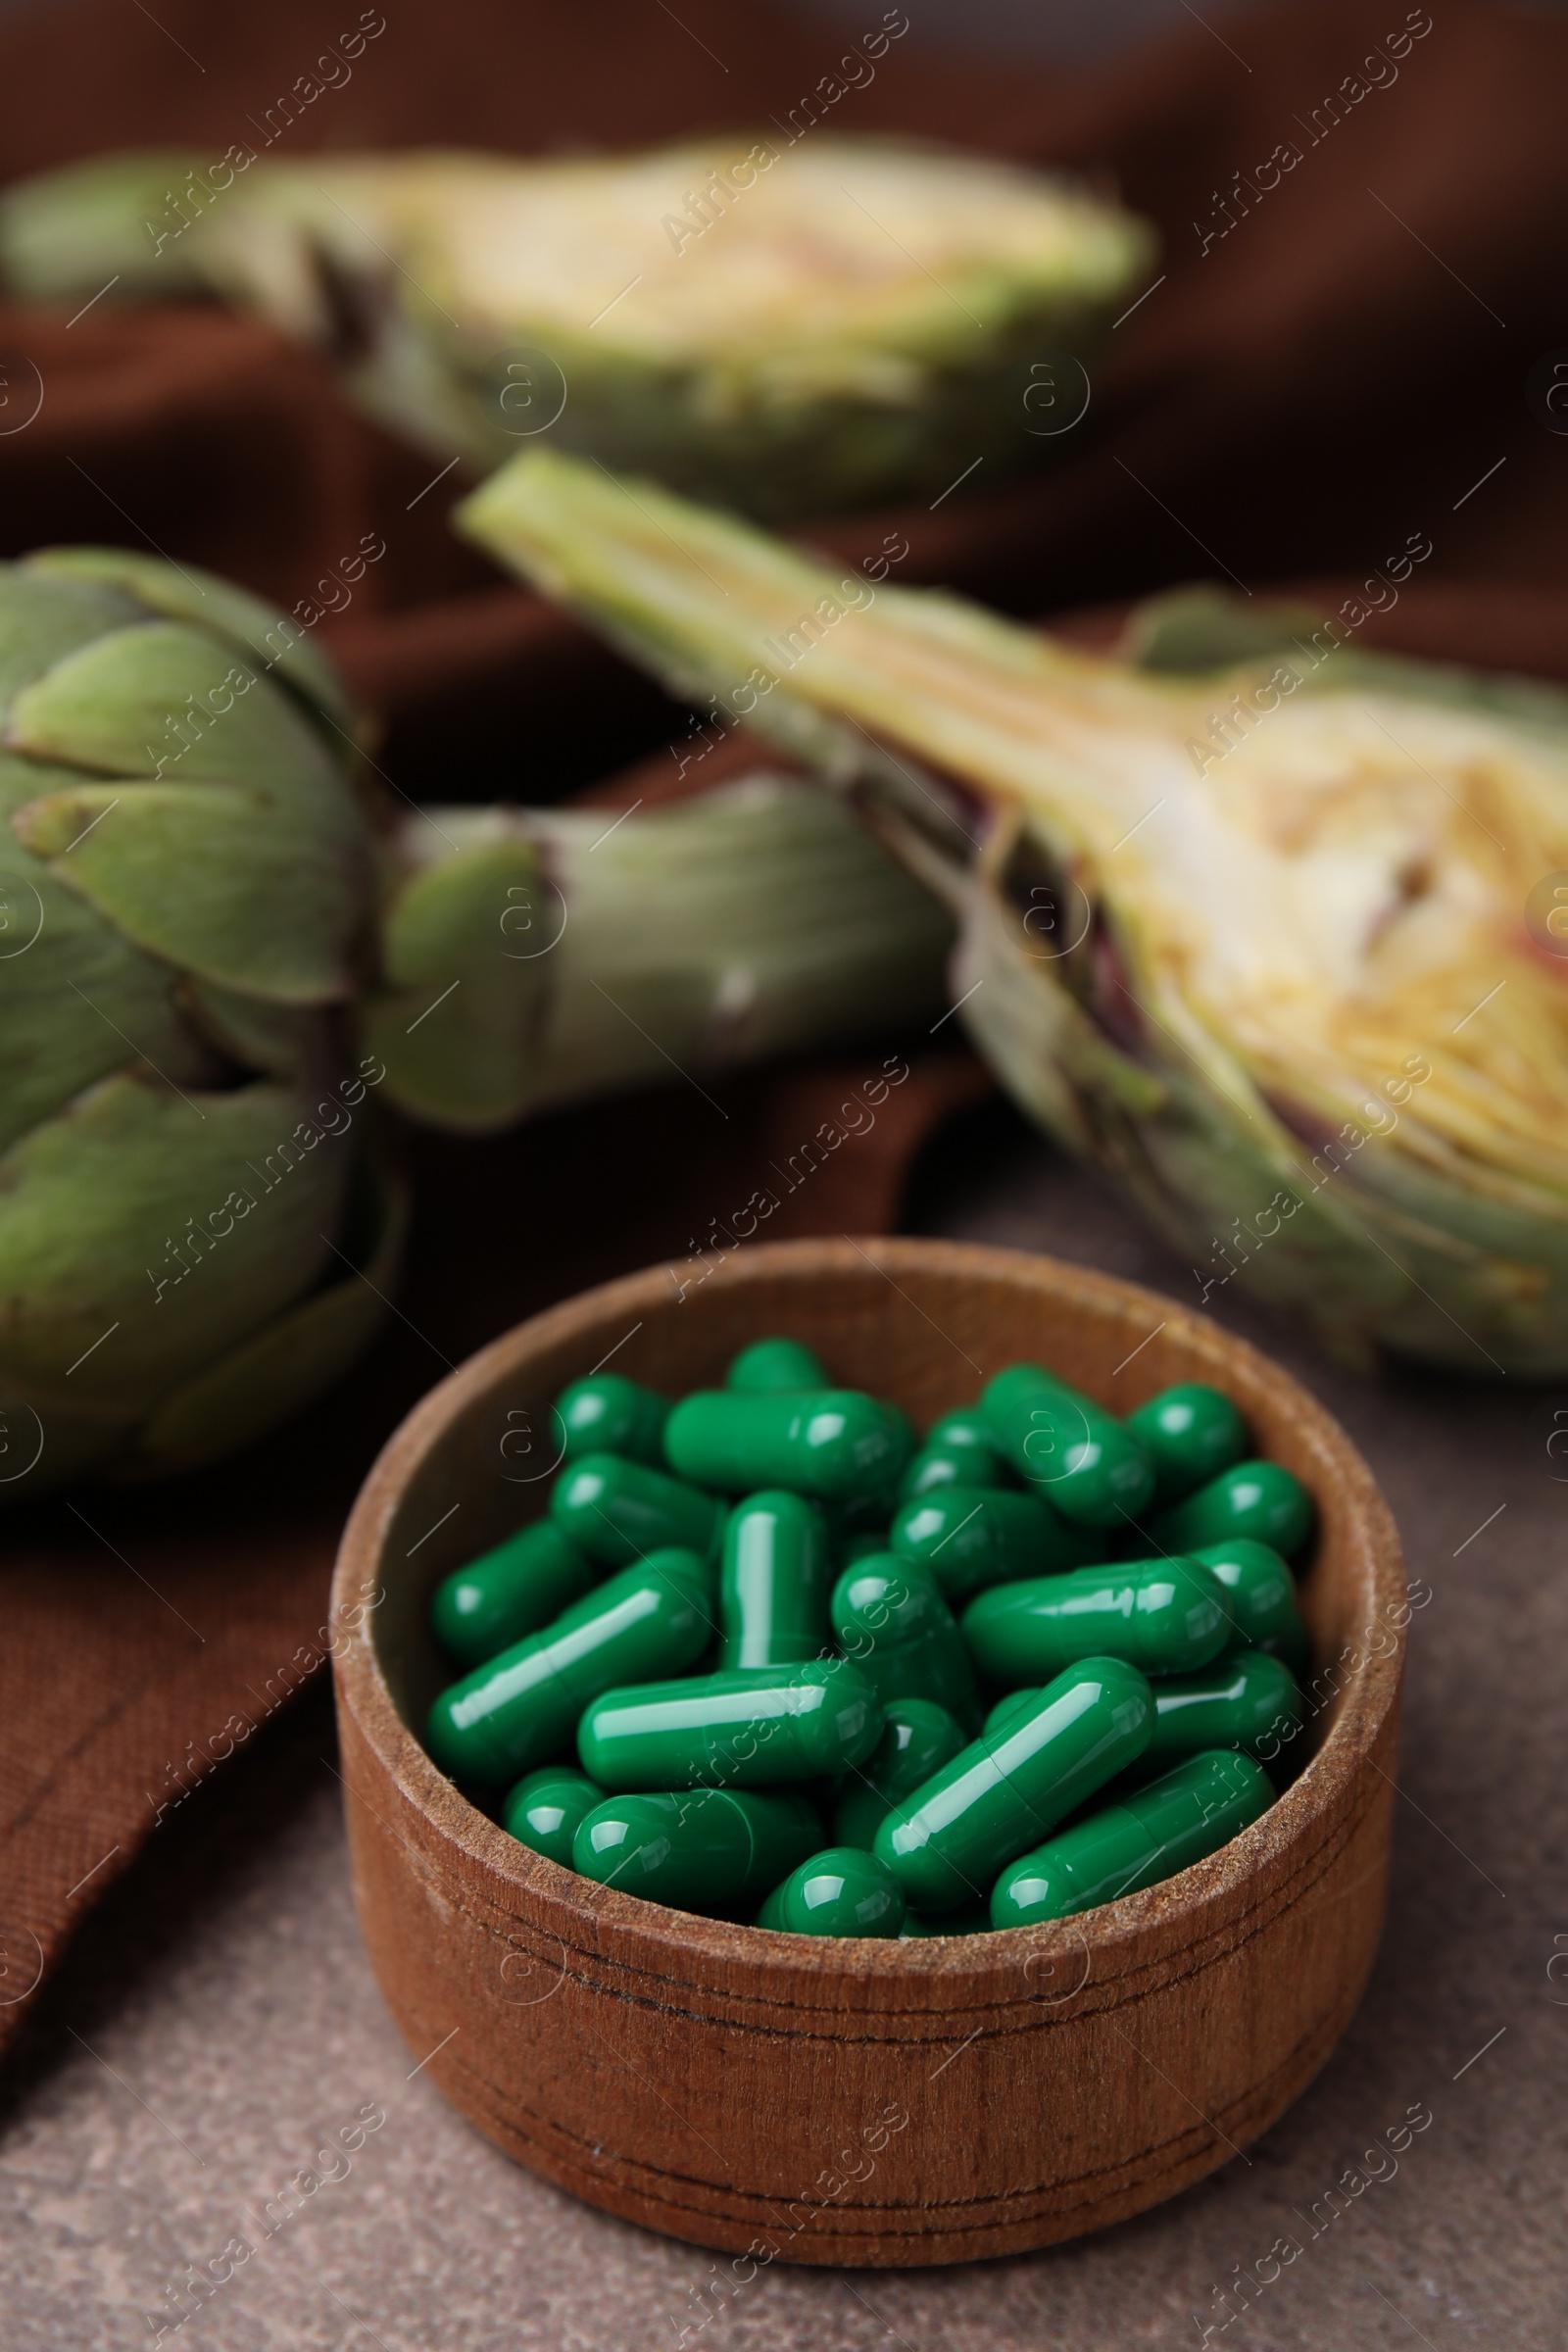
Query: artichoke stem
{"points": [[539, 957]]}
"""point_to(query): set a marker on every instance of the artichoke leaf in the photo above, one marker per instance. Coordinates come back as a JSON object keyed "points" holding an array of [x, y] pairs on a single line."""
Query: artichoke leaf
{"points": [[77, 1001], [43, 621], [143, 1231], [208, 877], [1207, 630], [257, 1033], [140, 701], [247, 623], [90, 221], [290, 1361]]}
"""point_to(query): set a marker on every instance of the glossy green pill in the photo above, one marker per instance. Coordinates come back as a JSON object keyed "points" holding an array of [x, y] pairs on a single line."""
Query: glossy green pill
{"points": [[1190, 1434], [773, 1364], [1260, 1589], [1261, 1499], [890, 1617], [1165, 1828], [606, 1414], [1000, 1795], [545, 1808], [510, 1591], [697, 1849], [875, 1504], [521, 1710], [1014, 1702], [840, 1892], [966, 1429], [837, 1442], [1165, 1616], [971, 1536], [618, 1512], [732, 1730], [1091, 1467], [774, 1583], [937, 1466], [953, 1466], [1247, 1700], [918, 1739]]}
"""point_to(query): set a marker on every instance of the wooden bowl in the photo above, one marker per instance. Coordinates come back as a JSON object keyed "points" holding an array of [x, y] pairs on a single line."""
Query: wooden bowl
{"points": [[789, 2098]]}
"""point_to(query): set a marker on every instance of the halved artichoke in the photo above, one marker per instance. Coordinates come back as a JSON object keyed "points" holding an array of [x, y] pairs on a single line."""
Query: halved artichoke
{"points": [[787, 325], [186, 1208], [1270, 933]]}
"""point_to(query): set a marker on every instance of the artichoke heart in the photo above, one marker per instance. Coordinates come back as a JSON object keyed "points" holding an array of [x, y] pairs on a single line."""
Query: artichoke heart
{"points": [[788, 325], [1270, 937]]}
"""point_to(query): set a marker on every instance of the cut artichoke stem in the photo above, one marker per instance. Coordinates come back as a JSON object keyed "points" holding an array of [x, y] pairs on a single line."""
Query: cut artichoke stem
{"points": [[1280, 975], [534, 956], [790, 325]]}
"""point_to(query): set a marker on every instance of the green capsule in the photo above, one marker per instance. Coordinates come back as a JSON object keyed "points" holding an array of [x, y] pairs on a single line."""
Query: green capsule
{"points": [[773, 1364], [1167, 1616], [1014, 1702], [1164, 1828], [841, 1891], [732, 1730], [1260, 1589], [936, 1467], [618, 1512], [1190, 1434], [973, 1920], [544, 1810], [1000, 1795], [510, 1591], [971, 1536], [521, 1710], [697, 1849], [606, 1414], [1261, 1499], [918, 1739], [890, 1617], [837, 1442], [877, 1504], [774, 1583], [1094, 1470], [968, 1430], [1247, 1700]]}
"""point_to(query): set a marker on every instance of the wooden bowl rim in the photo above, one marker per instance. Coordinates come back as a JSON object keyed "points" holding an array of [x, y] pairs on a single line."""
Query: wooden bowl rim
{"points": [[685, 1949]]}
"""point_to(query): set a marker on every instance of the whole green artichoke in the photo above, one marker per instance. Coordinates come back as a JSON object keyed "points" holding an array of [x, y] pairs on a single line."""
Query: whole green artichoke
{"points": [[787, 324], [1270, 927], [193, 1235], [217, 963]]}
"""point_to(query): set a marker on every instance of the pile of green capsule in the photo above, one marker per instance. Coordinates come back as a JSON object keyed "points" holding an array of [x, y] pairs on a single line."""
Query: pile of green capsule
{"points": [[770, 1656]]}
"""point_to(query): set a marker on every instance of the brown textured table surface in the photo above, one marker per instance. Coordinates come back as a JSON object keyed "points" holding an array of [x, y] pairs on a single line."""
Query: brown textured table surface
{"points": [[217, 2022]]}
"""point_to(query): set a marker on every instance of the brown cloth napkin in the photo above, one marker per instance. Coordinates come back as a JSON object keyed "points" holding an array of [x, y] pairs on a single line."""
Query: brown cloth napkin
{"points": [[1350, 348]]}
